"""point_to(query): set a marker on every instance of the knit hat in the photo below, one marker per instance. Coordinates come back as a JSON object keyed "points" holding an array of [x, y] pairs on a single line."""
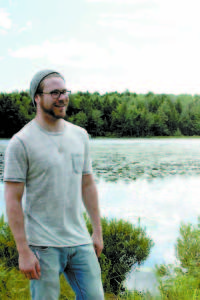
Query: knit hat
{"points": [[38, 77]]}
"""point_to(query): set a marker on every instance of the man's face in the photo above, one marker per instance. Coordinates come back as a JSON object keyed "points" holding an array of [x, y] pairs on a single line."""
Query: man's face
{"points": [[55, 108]]}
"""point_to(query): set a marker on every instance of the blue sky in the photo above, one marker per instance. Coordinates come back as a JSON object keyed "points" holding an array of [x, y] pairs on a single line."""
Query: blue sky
{"points": [[102, 45]]}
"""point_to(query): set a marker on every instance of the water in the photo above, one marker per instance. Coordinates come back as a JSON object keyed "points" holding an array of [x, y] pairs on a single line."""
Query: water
{"points": [[156, 180]]}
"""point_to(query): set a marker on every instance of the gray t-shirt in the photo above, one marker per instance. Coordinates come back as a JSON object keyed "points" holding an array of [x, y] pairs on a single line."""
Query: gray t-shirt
{"points": [[51, 165]]}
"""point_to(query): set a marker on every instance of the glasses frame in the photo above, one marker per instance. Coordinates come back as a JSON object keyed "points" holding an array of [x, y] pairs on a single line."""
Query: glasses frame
{"points": [[65, 93]]}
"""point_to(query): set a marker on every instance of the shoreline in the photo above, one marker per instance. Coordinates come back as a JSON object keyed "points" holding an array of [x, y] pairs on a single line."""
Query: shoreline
{"points": [[131, 137]]}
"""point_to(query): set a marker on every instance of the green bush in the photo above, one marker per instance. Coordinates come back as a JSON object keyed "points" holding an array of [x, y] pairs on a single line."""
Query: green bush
{"points": [[8, 251], [125, 247], [13, 284], [183, 281]]}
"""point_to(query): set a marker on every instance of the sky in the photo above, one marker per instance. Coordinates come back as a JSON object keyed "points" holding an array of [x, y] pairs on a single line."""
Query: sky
{"points": [[102, 45]]}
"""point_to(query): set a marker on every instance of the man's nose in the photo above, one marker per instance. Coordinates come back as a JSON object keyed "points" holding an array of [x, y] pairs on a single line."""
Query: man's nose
{"points": [[62, 97]]}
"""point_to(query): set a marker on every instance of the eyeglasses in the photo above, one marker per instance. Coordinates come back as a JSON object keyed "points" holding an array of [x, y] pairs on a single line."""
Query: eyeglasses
{"points": [[55, 94]]}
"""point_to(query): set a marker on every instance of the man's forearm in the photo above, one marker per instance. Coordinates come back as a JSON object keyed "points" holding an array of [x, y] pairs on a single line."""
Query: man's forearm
{"points": [[90, 198], [16, 223]]}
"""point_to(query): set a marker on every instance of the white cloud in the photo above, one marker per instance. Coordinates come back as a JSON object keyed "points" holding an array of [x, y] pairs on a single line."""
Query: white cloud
{"points": [[164, 66], [32, 52], [133, 2], [27, 27], [72, 53], [5, 20], [165, 19], [3, 32], [126, 16], [142, 24], [138, 30]]}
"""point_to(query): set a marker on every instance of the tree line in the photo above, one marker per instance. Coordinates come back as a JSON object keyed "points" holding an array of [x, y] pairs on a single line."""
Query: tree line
{"points": [[112, 114]]}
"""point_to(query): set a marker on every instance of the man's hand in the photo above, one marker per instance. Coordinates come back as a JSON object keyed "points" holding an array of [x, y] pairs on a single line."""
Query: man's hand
{"points": [[29, 265], [97, 242]]}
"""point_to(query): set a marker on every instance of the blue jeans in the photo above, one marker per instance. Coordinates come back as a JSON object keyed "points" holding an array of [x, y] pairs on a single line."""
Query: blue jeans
{"points": [[80, 267]]}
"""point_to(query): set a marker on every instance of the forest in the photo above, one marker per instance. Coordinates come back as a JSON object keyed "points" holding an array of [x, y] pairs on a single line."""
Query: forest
{"points": [[112, 114]]}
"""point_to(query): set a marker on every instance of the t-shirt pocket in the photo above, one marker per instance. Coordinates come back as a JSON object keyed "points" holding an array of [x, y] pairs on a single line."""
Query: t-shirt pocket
{"points": [[77, 162]]}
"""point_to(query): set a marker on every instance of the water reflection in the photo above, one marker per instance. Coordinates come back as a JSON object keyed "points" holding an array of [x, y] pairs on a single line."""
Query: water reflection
{"points": [[161, 204]]}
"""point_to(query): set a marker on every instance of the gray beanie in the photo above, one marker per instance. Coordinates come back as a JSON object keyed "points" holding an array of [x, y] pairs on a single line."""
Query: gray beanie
{"points": [[38, 77]]}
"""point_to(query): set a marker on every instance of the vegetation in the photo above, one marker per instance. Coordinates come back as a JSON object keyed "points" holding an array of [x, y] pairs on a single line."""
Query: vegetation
{"points": [[113, 114], [15, 111], [175, 282], [183, 281], [125, 246]]}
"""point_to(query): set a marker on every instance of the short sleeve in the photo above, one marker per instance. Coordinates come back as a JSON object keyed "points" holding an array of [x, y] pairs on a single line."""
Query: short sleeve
{"points": [[15, 161], [87, 168]]}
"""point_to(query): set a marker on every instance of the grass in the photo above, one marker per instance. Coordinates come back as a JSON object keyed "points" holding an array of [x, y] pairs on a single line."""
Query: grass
{"points": [[14, 285]]}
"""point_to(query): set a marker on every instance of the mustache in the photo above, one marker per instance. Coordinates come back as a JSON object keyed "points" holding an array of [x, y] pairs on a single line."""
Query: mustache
{"points": [[61, 103]]}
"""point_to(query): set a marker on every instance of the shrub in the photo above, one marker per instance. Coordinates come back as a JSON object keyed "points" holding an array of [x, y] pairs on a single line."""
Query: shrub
{"points": [[183, 281], [125, 246], [8, 251]]}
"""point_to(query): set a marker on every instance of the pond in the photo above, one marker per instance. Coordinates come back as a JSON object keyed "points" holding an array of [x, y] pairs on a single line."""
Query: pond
{"points": [[156, 181]]}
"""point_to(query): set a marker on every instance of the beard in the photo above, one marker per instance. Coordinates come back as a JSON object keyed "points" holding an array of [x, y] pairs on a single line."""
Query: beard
{"points": [[51, 112]]}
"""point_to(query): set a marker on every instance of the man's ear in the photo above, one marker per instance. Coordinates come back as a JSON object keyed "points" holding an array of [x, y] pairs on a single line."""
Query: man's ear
{"points": [[37, 99]]}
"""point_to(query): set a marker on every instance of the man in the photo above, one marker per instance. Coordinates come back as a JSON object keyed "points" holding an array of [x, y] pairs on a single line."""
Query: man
{"points": [[48, 161]]}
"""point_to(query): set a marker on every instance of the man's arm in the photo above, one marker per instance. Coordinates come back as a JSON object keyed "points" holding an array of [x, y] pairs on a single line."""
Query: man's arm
{"points": [[28, 263], [13, 196], [90, 199]]}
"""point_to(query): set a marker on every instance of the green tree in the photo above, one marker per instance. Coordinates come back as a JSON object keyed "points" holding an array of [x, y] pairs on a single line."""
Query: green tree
{"points": [[16, 110], [96, 102], [152, 102], [178, 106], [190, 119], [96, 123], [169, 117], [185, 124], [188, 247], [158, 125], [79, 119], [107, 109], [119, 120]]}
